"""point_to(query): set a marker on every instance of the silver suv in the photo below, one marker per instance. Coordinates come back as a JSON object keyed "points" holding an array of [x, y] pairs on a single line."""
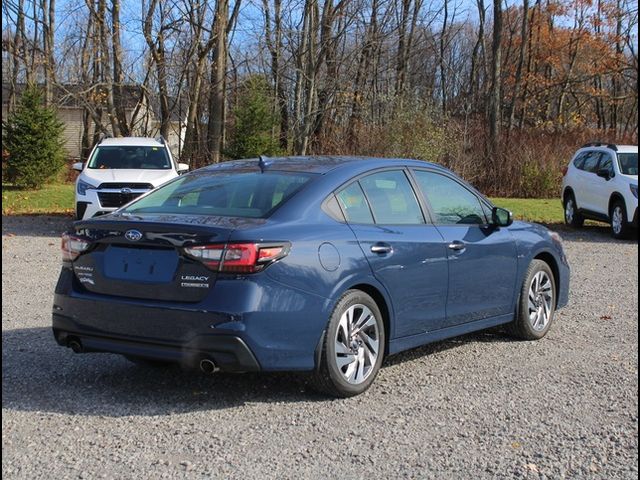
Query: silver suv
{"points": [[121, 169], [601, 183]]}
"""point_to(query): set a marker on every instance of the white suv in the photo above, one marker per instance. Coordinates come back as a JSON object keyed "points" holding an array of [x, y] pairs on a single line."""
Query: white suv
{"points": [[121, 169], [601, 183]]}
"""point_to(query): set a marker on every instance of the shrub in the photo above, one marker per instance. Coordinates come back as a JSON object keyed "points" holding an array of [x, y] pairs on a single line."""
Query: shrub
{"points": [[32, 136], [255, 121]]}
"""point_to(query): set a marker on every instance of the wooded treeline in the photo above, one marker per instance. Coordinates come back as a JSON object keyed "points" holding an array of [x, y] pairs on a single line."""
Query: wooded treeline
{"points": [[469, 84]]}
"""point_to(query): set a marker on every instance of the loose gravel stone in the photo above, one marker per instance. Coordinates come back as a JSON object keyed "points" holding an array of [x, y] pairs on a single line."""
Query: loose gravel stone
{"points": [[480, 406]]}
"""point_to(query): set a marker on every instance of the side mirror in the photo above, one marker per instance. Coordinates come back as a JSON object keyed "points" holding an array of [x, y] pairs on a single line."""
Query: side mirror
{"points": [[605, 173], [78, 166], [183, 167], [501, 217]]}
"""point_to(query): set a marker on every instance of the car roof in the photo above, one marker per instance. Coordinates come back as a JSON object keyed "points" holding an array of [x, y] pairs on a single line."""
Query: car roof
{"points": [[627, 148], [131, 141], [320, 164]]}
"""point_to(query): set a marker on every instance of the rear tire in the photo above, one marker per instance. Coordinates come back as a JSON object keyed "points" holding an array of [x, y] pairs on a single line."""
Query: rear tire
{"points": [[353, 347], [537, 303], [572, 216], [620, 227]]}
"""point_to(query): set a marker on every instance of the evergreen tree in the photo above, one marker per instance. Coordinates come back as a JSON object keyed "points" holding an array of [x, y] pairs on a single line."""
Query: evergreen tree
{"points": [[254, 121], [33, 136]]}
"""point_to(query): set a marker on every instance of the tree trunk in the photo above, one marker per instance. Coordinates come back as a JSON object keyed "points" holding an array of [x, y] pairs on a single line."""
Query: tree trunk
{"points": [[118, 80], [215, 127], [495, 97]]}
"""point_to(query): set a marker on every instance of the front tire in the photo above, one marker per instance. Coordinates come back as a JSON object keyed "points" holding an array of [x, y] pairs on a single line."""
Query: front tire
{"points": [[353, 347], [572, 216], [620, 228], [537, 303]]}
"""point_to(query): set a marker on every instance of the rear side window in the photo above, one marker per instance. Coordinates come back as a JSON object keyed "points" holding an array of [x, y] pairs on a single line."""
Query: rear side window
{"points": [[392, 199], [578, 162], [130, 157], [246, 194], [354, 204], [451, 202], [591, 162]]}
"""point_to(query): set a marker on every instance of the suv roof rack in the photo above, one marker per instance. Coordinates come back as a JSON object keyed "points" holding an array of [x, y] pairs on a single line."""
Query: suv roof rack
{"points": [[601, 144], [161, 140], [103, 136]]}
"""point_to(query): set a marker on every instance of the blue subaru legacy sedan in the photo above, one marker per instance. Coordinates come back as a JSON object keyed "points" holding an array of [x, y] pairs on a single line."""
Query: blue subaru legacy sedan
{"points": [[323, 264]]}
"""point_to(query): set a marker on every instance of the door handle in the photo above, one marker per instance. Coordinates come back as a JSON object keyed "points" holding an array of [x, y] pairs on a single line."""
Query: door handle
{"points": [[457, 245], [381, 248]]}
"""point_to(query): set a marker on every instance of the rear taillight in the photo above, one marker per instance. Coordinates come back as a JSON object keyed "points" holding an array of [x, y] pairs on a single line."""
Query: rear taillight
{"points": [[564, 170], [72, 246], [238, 257]]}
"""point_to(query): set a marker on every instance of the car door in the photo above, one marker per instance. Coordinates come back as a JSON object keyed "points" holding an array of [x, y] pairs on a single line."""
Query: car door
{"points": [[589, 182], [482, 258], [406, 254], [603, 187]]}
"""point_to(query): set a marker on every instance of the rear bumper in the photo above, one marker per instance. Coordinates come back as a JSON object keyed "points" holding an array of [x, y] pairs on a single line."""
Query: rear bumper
{"points": [[243, 325], [228, 352]]}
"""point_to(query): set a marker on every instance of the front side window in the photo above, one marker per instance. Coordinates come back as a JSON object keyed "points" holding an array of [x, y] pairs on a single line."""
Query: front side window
{"points": [[606, 164], [392, 199], [451, 202], [591, 162], [246, 194], [130, 157], [628, 163]]}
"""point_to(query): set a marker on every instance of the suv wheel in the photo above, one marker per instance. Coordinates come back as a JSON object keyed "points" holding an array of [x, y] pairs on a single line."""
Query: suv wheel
{"points": [[353, 347], [571, 214], [618, 216]]}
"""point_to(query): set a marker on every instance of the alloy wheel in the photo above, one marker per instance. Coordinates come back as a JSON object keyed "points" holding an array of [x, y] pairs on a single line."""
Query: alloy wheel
{"points": [[540, 301], [357, 344]]}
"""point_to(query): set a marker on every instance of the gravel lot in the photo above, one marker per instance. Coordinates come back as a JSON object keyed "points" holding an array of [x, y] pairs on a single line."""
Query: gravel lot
{"points": [[482, 406]]}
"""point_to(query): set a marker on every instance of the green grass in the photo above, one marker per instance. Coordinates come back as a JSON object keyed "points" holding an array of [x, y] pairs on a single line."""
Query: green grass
{"points": [[54, 199], [57, 199], [541, 210]]}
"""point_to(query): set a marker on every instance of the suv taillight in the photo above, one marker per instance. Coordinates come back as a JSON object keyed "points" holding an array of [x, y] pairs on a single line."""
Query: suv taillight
{"points": [[238, 257], [72, 246], [564, 170]]}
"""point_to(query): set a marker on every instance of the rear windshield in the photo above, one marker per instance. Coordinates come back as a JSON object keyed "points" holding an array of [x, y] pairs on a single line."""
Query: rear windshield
{"points": [[251, 194], [135, 157], [628, 163]]}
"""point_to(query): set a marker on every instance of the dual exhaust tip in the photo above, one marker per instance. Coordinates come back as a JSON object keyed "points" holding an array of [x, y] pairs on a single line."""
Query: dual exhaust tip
{"points": [[207, 365]]}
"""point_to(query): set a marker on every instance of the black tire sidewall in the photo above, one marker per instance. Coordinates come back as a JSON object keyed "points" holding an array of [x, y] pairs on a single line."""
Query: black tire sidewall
{"points": [[624, 230], [577, 218], [524, 325], [350, 298]]}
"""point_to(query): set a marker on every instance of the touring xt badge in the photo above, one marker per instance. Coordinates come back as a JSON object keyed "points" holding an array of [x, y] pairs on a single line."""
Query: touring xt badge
{"points": [[194, 281]]}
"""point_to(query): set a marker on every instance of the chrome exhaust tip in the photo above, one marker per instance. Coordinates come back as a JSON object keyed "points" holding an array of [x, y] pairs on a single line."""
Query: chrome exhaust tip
{"points": [[208, 366], [75, 345]]}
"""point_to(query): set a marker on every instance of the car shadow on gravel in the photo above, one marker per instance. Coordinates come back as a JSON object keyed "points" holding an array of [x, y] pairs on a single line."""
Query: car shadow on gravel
{"points": [[39, 375], [590, 233], [35, 225]]}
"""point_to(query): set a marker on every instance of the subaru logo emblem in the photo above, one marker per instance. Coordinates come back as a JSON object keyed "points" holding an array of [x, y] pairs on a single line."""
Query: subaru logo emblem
{"points": [[133, 235], [125, 191]]}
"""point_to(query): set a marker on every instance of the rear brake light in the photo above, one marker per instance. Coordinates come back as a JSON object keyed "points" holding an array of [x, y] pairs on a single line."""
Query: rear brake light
{"points": [[238, 257], [72, 246], [564, 170], [210, 255]]}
